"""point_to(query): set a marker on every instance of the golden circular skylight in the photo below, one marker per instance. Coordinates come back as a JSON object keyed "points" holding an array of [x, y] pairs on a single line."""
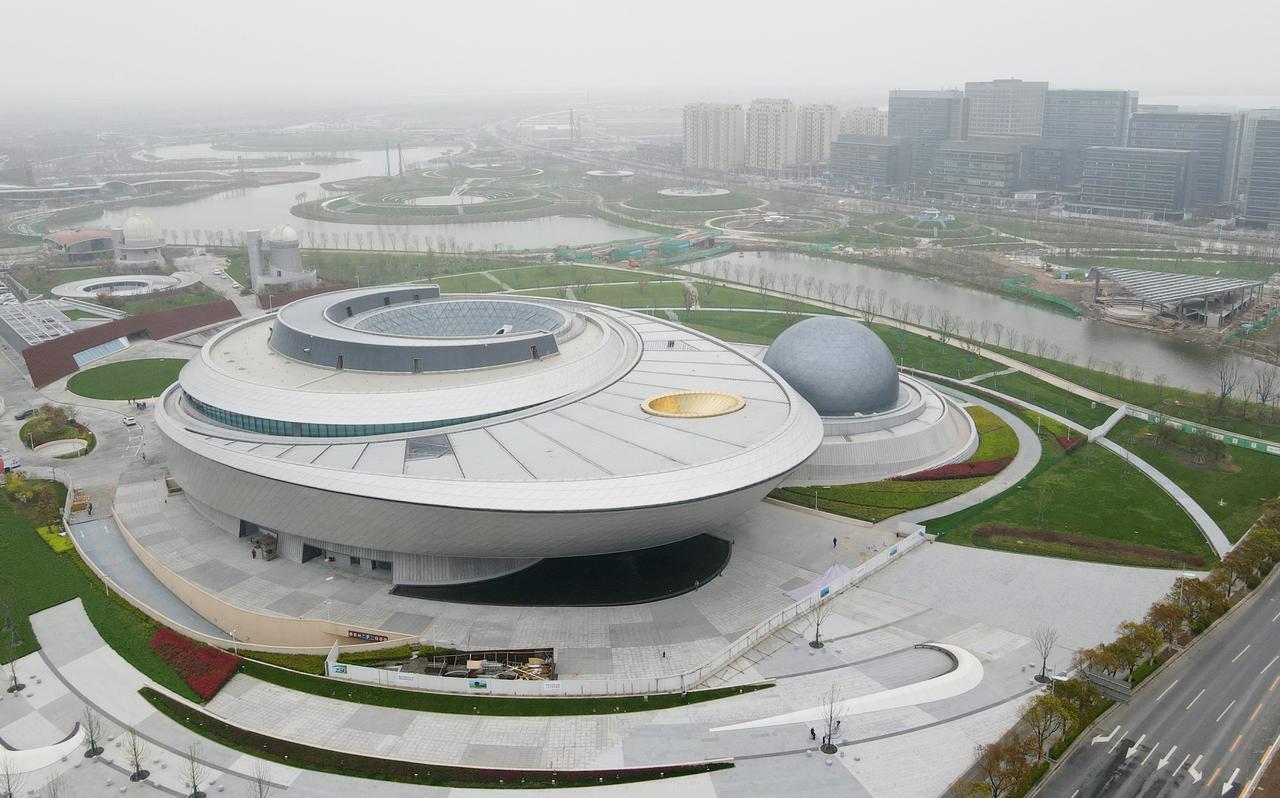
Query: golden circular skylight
{"points": [[693, 404]]}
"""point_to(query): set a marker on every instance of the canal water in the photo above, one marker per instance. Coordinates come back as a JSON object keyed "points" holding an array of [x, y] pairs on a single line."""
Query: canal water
{"points": [[265, 207], [1186, 363]]}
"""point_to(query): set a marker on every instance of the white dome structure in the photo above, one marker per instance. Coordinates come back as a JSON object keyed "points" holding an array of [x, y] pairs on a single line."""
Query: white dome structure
{"points": [[278, 265], [138, 244], [839, 365], [282, 234]]}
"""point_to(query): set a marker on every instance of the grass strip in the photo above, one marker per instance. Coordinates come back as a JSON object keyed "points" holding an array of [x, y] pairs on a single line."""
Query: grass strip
{"points": [[299, 755]]}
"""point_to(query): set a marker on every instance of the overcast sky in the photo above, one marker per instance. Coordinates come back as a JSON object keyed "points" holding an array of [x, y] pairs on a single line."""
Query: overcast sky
{"points": [[180, 50]]}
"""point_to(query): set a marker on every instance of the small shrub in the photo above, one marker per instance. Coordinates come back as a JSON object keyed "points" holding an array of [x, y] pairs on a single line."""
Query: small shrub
{"points": [[204, 668], [58, 542]]}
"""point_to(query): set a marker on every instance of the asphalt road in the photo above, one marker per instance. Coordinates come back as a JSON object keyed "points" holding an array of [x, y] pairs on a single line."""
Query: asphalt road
{"points": [[1201, 727]]}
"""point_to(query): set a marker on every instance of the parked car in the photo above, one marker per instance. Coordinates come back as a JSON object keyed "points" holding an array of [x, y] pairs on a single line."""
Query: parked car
{"points": [[11, 464], [130, 421], [25, 414]]}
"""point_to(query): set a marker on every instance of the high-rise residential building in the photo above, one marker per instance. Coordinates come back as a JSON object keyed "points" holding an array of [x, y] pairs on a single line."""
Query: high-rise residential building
{"points": [[816, 128], [1136, 182], [865, 121], [1213, 138], [771, 135], [1260, 168], [713, 136], [869, 161], [926, 119], [1089, 118], [978, 167], [1008, 107]]}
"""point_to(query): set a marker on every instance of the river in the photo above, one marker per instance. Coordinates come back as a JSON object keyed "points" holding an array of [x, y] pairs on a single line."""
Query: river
{"points": [[1186, 363], [265, 207]]}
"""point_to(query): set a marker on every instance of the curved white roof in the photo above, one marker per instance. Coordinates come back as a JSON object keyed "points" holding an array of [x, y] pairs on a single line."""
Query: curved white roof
{"points": [[139, 229], [282, 234]]}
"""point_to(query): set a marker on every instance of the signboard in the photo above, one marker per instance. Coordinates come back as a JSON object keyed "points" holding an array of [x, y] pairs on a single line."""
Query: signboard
{"points": [[336, 669], [366, 636], [552, 687], [478, 684], [824, 591]]}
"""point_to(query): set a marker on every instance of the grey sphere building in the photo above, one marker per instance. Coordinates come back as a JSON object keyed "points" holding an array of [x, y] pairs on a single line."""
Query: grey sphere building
{"points": [[841, 367]]}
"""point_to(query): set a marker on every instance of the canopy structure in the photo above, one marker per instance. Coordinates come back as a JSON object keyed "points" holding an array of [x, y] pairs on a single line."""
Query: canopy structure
{"points": [[1184, 295]]}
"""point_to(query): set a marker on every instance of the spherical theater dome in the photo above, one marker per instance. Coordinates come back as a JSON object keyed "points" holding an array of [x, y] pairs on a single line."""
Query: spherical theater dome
{"points": [[282, 234], [139, 228], [838, 365]]}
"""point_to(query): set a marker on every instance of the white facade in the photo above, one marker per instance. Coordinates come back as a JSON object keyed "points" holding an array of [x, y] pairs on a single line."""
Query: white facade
{"points": [[816, 127], [713, 136], [865, 121], [771, 135], [282, 265], [1008, 107], [137, 245]]}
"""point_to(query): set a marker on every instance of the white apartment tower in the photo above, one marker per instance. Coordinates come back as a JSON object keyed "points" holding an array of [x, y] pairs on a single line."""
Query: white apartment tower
{"points": [[1007, 107], [816, 127], [771, 135], [713, 136], [865, 121]]}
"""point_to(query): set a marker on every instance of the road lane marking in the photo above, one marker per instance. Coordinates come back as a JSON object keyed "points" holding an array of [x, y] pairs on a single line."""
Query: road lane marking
{"points": [[1116, 744], [1241, 654], [1274, 617], [1226, 785], [1100, 739], [1149, 753], [1269, 664], [1256, 710], [1225, 711], [1196, 775], [1214, 777], [1274, 682], [1180, 764], [1167, 757], [1134, 748], [1074, 794], [1232, 749], [1175, 681], [1194, 700]]}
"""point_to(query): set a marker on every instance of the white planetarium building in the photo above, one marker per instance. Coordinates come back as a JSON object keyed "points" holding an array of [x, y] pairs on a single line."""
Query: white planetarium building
{"points": [[137, 244]]}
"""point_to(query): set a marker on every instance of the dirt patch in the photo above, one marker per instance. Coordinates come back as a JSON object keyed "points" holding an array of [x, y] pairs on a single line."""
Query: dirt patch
{"points": [[1099, 547]]}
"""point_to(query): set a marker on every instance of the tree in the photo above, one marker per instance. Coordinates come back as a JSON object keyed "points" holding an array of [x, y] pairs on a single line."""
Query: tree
{"points": [[832, 711], [11, 779], [1042, 499], [259, 781], [135, 751], [820, 612], [1047, 716], [1083, 697], [1045, 638], [194, 771], [1169, 617], [1001, 765], [1227, 375], [55, 787], [91, 723], [1264, 384], [1202, 600], [1144, 637], [11, 653]]}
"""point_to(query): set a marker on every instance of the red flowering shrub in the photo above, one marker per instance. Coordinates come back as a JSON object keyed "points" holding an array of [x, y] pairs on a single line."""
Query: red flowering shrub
{"points": [[965, 470], [1070, 443], [204, 668]]}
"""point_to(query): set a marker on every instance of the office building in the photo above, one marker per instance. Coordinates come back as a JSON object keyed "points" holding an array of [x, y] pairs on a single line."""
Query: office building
{"points": [[864, 162], [1136, 182], [1156, 108], [816, 128], [1089, 118], [771, 135], [1008, 107], [1260, 167], [713, 136], [1212, 137], [1049, 165], [865, 121], [926, 119], [977, 168]]}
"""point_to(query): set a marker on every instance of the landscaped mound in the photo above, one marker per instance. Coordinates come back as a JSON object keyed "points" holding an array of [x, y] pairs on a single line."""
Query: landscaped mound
{"points": [[128, 379], [969, 468], [1082, 547], [204, 668]]}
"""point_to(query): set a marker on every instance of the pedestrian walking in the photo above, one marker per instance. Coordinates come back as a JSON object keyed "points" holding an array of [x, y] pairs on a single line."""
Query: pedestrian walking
{"points": [[253, 553], [813, 735], [833, 543]]}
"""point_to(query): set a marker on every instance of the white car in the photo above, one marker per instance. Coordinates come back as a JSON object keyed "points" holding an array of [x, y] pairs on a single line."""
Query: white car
{"points": [[130, 421]]}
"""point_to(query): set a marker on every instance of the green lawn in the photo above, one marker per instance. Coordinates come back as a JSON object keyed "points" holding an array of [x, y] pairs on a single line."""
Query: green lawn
{"points": [[34, 578], [467, 284], [128, 379], [197, 294], [1231, 492], [1095, 507], [876, 501], [1245, 418], [653, 201], [238, 268], [76, 313], [8, 240], [545, 275], [744, 328], [39, 280], [1038, 392]]}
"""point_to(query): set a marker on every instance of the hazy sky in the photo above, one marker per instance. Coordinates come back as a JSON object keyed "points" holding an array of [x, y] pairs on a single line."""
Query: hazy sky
{"points": [[182, 50]]}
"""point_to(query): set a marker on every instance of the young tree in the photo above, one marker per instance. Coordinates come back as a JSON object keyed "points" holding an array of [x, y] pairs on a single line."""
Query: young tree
{"points": [[1001, 766], [194, 771], [820, 612], [1047, 716], [91, 722], [832, 712], [11, 779], [1144, 636], [1169, 617], [55, 787], [9, 651], [1045, 638], [259, 781], [1227, 375], [135, 751]]}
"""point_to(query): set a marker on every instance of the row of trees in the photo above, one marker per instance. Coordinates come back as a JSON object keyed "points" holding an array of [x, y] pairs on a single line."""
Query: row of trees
{"points": [[1011, 765]]}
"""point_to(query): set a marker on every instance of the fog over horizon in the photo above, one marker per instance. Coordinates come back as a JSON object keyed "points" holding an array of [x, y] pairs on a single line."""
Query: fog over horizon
{"points": [[155, 54]]}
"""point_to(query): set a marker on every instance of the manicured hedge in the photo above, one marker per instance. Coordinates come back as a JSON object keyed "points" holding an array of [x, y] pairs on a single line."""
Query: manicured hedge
{"points": [[58, 542], [965, 470], [204, 668]]}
